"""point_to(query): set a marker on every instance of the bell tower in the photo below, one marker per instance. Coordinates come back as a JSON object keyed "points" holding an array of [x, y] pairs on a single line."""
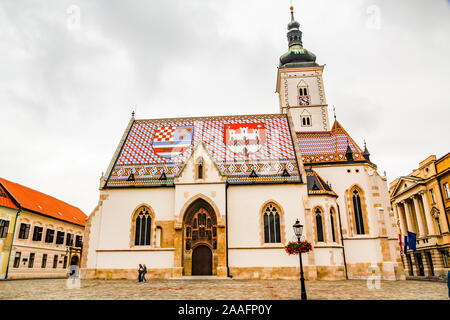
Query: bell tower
{"points": [[300, 84]]}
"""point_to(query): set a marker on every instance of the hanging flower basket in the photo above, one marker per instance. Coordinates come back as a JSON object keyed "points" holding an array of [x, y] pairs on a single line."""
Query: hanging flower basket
{"points": [[297, 247]]}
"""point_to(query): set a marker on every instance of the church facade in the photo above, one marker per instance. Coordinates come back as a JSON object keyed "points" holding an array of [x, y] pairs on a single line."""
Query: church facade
{"points": [[219, 195]]}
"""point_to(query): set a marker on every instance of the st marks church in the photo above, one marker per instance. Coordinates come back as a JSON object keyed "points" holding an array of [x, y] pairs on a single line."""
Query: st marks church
{"points": [[219, 195]]}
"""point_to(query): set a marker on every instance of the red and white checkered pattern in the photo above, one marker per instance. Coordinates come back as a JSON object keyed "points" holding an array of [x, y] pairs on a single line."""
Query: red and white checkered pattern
{"points": [[164, 134]]}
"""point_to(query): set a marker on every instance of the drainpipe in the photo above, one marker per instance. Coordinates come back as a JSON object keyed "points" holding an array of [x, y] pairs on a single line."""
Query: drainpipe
{"points": [[12, 241], [226, 227], [342, 241]]}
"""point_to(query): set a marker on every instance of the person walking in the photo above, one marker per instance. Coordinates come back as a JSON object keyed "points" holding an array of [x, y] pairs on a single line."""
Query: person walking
{"points": [[144, 271], [140, 270]]}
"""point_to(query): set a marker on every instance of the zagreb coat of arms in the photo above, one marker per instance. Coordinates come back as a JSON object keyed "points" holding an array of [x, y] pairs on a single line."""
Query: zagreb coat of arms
{"points": [[245, 138]]}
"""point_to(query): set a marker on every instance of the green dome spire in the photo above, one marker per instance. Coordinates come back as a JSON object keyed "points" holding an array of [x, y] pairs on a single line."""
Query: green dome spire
{"points": [[297, 56]]}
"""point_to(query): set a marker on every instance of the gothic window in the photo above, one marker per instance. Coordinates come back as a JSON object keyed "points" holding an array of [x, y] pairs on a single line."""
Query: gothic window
{"points": [[357, 210], [319, 225], [199, 168], [202, 229], [272, 228], [143, 224], [332, 222]]}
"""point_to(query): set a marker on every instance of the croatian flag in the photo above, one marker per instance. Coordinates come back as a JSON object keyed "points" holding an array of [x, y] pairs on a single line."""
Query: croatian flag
{"points": [[170, 141]]}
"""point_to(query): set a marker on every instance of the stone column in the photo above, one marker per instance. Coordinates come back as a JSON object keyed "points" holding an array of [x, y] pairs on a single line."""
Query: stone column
{"points": [[427, 213], [408, 216], [403, 228], [178, 254], [222, 270], [419, 217]]}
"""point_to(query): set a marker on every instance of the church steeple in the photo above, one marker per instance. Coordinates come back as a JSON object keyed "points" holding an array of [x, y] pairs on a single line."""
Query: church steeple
{"points": [[297, 56]]}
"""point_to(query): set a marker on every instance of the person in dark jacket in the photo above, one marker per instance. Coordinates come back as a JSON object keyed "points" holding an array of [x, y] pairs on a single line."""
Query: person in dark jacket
{"points": [[144, 271], [448, 283], [140, 270]]}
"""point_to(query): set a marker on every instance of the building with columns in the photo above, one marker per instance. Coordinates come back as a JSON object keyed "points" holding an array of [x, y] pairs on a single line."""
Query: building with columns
{"points": [[420, 201], [219, 195]]}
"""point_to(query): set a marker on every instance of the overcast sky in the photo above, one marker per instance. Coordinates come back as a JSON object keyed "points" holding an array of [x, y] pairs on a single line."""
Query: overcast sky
{"points": [[71, 72]]}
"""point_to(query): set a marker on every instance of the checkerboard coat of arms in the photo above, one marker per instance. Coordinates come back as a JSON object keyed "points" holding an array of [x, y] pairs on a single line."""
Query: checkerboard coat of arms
{"points": [[170, 141], [245, 138]]}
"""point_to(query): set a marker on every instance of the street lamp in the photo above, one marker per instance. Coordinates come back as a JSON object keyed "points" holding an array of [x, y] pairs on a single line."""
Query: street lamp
{"points": [[298, 230]]}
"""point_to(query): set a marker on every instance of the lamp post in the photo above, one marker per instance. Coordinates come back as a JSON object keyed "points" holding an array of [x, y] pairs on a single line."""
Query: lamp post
{"points": [[298, 230]]}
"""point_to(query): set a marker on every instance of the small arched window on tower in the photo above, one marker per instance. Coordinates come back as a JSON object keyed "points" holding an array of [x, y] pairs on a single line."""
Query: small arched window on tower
{"points": [[305, 119], [199, 167], [303, 94], [272, 229], [357, 209]]}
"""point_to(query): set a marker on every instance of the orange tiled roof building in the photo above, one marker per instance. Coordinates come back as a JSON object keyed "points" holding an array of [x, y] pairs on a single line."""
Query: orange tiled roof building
{"points": [[42, 235]]}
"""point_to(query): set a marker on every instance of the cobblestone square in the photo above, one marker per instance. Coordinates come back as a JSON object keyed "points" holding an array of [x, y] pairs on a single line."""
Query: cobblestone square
{"points": [[228, 289]]}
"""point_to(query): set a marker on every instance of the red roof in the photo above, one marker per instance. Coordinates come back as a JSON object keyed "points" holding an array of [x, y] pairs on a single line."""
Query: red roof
{"points": [[327, 146], [44, 204], [5, 200]]}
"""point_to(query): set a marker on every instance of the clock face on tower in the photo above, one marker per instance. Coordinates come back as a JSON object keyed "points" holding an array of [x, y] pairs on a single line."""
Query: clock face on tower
{"points": [[303, 100]]}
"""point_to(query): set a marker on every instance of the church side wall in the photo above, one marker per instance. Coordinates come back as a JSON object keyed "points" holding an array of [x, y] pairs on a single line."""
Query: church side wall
{"points": [[378, 246], [249, 256], [111, 245]]}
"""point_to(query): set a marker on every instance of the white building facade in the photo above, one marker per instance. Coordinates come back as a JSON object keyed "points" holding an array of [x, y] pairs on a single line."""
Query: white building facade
{"points": [[219, 195]]}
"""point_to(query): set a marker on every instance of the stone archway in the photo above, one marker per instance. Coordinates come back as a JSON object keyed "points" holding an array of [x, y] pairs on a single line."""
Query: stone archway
{"points": [[200, 239]]}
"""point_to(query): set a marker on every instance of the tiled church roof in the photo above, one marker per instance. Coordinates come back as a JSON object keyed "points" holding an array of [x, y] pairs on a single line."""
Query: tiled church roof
{"points": [[156, 146], [44, 204], [327, 146], [316, 185]]}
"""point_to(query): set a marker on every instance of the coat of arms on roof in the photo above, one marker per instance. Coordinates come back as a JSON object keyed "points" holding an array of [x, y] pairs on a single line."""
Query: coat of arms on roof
{"points": [[245, 138], [170, 141]]}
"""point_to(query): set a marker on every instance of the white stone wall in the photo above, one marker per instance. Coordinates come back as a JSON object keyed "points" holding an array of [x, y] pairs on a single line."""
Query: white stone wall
{"points": [[244, 223]]}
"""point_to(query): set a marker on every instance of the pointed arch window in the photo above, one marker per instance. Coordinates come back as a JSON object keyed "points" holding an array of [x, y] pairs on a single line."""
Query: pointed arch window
{"points": [[319, 226], [272, 225], [333, 226], [357, 209], [199, 165], [143, 228]]}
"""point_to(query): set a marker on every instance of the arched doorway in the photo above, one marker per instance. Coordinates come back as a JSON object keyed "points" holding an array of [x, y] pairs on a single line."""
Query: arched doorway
{"points": [[202, 261], [200, 239], [74, 260]]}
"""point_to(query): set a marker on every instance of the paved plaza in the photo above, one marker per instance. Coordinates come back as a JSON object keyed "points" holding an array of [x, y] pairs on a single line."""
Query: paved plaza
{"points": [[229, 289]]}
